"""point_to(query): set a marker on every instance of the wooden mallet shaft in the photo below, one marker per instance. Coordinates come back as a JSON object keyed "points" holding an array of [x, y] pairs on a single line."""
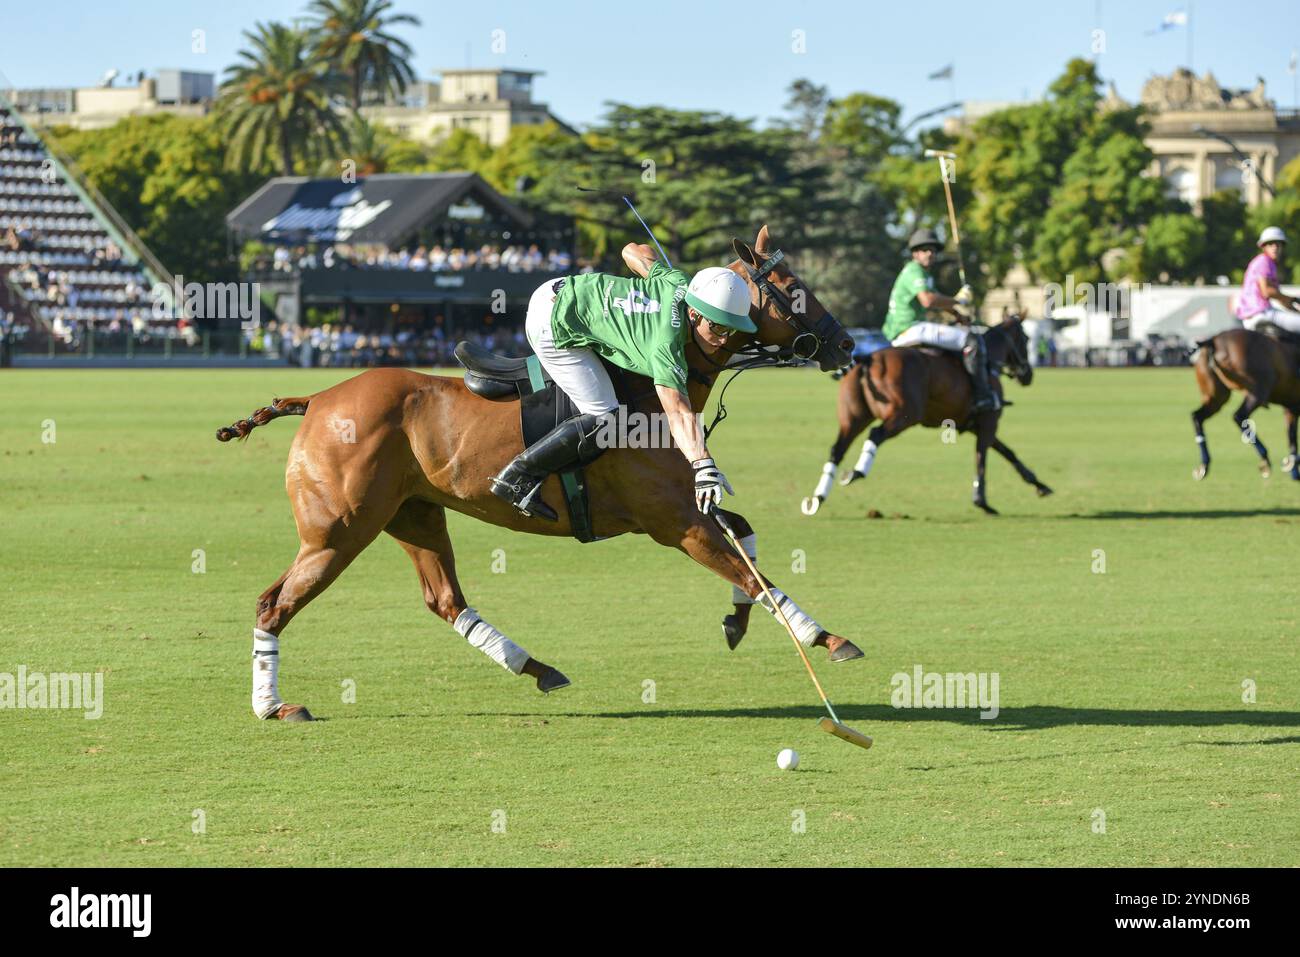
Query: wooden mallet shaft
{"points": [[944, 159], [833, 725]]}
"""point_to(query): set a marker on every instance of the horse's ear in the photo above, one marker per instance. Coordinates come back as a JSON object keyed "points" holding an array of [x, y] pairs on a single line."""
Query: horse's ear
{"points": [[763, 244], [744, 252]]}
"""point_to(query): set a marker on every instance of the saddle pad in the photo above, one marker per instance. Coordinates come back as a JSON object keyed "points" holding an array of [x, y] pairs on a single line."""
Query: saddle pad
{"points": [[540, 411]]}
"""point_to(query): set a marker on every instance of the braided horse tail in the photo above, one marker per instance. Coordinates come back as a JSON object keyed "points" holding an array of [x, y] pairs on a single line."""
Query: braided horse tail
{"points": [[277, 408]]}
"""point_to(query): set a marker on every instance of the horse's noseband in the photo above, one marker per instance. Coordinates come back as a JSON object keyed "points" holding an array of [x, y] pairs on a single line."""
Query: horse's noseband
{"points": [[813, 337]]}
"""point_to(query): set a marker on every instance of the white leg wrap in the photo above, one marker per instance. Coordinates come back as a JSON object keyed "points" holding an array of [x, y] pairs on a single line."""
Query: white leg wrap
{"points": [[750, 544], [867, 458], [266, 673], [490, 641], [826, 481], [805, 628]]}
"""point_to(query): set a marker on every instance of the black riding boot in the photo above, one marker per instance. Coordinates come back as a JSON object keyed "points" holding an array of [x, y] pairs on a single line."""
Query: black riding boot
{"points": [[572, 442], [974, 356]]}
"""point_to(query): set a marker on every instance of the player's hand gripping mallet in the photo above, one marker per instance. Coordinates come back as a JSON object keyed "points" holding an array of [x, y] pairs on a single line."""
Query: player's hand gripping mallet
{"points": [[832, 725], [944, 159]]}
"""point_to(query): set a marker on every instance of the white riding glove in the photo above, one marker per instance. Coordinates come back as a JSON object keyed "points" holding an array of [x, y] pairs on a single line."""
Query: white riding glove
{"points": [[709, 483], [965, 296]]}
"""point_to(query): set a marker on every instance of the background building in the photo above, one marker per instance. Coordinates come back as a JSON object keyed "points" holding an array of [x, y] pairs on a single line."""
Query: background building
{"points": [[488, 103], [94, 107], [1207, 138]]}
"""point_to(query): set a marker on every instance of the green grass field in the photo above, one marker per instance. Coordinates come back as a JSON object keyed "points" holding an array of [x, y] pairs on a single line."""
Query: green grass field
{"points": [[1121, 693]]}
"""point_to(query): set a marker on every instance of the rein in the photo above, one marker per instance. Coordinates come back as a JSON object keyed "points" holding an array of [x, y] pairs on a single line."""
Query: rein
{"points": [[754, 355]]}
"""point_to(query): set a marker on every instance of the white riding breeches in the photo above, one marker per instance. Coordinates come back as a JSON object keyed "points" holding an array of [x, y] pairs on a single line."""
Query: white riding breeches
{"points": [[1282, 318], [577, 371], [933, 334]]}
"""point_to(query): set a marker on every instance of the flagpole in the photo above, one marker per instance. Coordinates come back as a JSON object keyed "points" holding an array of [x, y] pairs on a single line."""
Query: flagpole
{"points": [[1190, 67]]}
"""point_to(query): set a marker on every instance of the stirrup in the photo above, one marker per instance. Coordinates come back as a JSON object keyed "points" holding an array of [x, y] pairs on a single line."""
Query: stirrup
{"points": [[529, 502]]}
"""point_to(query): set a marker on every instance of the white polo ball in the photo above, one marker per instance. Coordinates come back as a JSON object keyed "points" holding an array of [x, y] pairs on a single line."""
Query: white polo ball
{"points": [[788, 759]]}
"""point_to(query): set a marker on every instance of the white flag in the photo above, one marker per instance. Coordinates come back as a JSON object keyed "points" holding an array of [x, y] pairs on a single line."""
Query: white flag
{"points": [[1176, 19]]}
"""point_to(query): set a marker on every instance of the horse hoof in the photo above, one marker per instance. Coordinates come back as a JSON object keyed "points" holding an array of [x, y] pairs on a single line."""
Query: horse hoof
{"points": [[852, 477], [810, 505], [987, 508], [552, 680], [733, 631], [1043, 491], [1289, 464], [1264, 470], [847, 651], [292, 712], [1200, 472]]}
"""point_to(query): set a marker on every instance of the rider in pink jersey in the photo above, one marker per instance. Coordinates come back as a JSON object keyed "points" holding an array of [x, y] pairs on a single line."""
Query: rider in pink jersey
{"points": [[1260, 288]]}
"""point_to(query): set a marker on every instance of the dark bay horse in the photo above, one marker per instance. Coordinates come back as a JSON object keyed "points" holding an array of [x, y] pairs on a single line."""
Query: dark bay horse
{"points": [[902, 387], [1263, 367], [390, 450]]}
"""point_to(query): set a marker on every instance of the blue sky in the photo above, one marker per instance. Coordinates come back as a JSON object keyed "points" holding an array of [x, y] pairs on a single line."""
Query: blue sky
{"points": [[734, 57]]}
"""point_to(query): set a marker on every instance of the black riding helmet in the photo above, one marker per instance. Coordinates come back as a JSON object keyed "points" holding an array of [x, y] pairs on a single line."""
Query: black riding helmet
{"points": [[922, 238]]}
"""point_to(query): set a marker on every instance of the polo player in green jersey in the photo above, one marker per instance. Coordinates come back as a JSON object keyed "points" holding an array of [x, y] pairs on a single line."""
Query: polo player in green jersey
{"points": [[639, 324], [907, 323]]}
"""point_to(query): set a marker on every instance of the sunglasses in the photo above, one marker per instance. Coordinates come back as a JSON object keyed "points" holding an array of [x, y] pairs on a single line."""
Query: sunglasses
{"points": [[722, 332]]}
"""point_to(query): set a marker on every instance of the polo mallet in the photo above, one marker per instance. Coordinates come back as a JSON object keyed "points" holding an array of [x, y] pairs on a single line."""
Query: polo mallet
{"points": [[944, 159], [832, 725], [649, 231]]}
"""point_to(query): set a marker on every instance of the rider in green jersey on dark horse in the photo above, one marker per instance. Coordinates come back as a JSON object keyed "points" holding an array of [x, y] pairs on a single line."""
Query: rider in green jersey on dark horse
{"points": [[907, 324], [639, 324]]}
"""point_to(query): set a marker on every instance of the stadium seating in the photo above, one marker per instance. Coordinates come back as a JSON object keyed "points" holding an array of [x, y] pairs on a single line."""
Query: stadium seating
{"points": [[59, 256]]}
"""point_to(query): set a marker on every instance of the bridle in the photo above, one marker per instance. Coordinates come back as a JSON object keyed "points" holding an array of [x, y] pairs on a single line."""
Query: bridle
{"points": [[803, 348], [1020, 359]]}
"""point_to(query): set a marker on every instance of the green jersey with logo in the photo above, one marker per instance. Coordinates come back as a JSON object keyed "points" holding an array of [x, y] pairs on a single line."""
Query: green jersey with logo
{"points": [[637, 324], [904, 308]]}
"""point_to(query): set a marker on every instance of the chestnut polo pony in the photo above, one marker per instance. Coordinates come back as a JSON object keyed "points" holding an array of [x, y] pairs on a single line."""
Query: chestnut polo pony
{"points": [[1261, 366], [423, 444]]}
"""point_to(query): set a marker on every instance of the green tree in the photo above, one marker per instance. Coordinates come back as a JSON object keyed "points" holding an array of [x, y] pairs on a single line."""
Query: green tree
{"points": [[522, 157], [845, 228], [1104, 201], [699, 179], [276, 101], [459, 150], [165, 176], [1228, 242], [352, 36], [1173, 248]]}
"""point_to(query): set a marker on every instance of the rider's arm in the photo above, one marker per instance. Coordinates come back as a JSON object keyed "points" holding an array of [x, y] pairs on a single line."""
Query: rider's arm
{"points": [[1270, 292], [929, 299], [683, 424], [639, 258]]}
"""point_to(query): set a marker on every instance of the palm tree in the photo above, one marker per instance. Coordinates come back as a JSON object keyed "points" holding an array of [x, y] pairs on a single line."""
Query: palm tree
{"points": [[368, 148], [351, 35], [277, 101]]}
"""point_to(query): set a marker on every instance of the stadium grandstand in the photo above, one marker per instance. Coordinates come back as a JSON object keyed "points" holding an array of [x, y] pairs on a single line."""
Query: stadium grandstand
{"points": [[71, 271], [394, 268]]}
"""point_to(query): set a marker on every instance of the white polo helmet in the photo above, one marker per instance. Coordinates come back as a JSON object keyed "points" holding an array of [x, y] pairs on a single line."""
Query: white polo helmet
{"points": [[1272, 234], [721, 296]]}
